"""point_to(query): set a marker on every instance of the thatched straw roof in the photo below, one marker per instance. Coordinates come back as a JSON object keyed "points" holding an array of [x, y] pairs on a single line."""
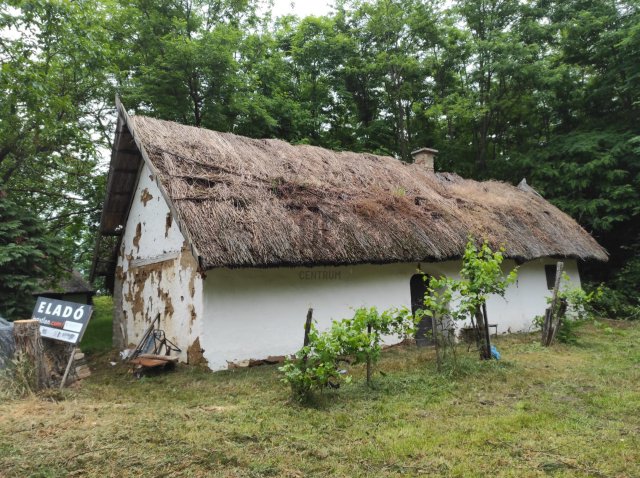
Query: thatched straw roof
{"points": [[255, 202], [73, 283], [244, 202]]}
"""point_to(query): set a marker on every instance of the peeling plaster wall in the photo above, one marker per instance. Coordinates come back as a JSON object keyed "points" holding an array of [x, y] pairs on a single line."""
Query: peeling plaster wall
{"points": [[254, 313], [156, 272]]}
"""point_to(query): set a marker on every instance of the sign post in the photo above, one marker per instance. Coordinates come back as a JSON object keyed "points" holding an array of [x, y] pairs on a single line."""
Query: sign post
{"points": [[62, 321]]}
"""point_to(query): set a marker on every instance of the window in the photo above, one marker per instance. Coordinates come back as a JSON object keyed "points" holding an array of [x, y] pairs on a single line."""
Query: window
{"points": [[550, 272], [424, 331]]}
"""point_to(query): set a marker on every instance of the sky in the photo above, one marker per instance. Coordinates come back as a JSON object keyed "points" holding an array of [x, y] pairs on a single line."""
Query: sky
{"points": [[302, 8]]}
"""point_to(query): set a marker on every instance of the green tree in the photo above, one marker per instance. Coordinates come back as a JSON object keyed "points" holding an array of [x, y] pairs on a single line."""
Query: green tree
{"points": [[589, 163], [53, 121], [28, 256], [462, 299]]}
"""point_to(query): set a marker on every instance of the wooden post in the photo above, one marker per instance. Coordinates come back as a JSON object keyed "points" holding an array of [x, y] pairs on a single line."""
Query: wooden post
{"points": [[369, 357], [436, 341], [550, 325], [307, 327], [118, 327], [26, 334], [72, 353], [485, 341], [487, 335]]}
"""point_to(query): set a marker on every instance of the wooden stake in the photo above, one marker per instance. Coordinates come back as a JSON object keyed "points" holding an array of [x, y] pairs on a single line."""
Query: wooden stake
{"points": [[26, 334], [551, 324], [307, 327], [487, 335], [483, 333], [436, 341], [369, 357], [72, 353]]}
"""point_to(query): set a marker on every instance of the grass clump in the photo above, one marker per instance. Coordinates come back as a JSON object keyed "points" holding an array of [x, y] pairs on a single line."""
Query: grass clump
{"points": [[18, 379]]}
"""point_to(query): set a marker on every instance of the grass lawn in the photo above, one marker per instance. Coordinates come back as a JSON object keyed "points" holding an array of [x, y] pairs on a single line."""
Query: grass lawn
{"points": [[97, 338], [564, 411]]}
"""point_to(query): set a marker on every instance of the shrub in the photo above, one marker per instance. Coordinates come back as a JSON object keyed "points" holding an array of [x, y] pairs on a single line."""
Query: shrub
{"points": [[314, 366], [614, 304], [318, 365], [29, 258], [575, 306], [458, 300], [18, 379]]}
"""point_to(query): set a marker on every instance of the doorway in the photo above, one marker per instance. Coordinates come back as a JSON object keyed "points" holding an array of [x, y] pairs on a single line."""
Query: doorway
{"points": [[424, 330]]}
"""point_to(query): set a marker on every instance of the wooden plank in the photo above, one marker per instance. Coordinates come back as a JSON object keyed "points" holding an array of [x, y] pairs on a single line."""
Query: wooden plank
{"points": [[148, 362], [72, 353], [165, 358], [168, 256]]}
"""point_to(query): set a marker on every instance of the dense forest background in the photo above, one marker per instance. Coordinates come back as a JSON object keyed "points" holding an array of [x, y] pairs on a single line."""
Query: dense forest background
{"points": [[505, 89]]}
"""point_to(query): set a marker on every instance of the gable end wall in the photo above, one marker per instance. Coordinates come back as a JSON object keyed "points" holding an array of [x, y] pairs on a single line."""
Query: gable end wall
{"points": [[156, 274]]}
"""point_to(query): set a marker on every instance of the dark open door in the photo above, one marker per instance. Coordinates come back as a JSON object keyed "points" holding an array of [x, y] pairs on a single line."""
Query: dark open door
{"points": [[424, 332]]}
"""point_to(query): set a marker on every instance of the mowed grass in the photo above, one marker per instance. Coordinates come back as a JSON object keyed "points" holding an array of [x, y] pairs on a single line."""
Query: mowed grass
{"points": [[97, 337], [564, 411]]}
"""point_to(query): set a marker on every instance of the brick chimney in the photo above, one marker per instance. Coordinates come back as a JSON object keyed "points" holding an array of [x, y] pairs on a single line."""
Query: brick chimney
{"points": [[424, 157]]}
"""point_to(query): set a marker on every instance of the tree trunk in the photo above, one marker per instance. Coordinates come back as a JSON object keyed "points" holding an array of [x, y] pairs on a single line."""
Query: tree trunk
{"points": [[26, 334], [485, 342]]}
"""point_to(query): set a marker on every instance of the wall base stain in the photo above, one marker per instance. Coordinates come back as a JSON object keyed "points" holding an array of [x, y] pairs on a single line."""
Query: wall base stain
{"points": [[195, 353]]}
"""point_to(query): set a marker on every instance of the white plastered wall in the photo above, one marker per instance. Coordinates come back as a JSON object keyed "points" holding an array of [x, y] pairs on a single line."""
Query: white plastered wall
{"points": [[254, 313], [157, 271]]}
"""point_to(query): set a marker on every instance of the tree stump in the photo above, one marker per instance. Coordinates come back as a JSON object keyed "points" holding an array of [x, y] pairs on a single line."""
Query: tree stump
{"points": [[26, 334]]}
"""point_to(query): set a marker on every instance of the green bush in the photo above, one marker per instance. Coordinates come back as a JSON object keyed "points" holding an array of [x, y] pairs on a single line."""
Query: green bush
{"points": [[449, 301], [614, 304], [619, 298], [18, 380], [314, 366], [575, 306], [318, 365], [29, 258]]}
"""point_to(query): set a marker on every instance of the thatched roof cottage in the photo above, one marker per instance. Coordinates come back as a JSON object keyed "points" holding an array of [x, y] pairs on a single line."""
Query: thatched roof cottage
{"points": [[72, 288], [231, 239]]}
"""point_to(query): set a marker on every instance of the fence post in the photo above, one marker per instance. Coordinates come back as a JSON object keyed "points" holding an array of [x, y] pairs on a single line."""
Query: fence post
{"points": [[550, 326], [369, 356], [307, 329]]}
